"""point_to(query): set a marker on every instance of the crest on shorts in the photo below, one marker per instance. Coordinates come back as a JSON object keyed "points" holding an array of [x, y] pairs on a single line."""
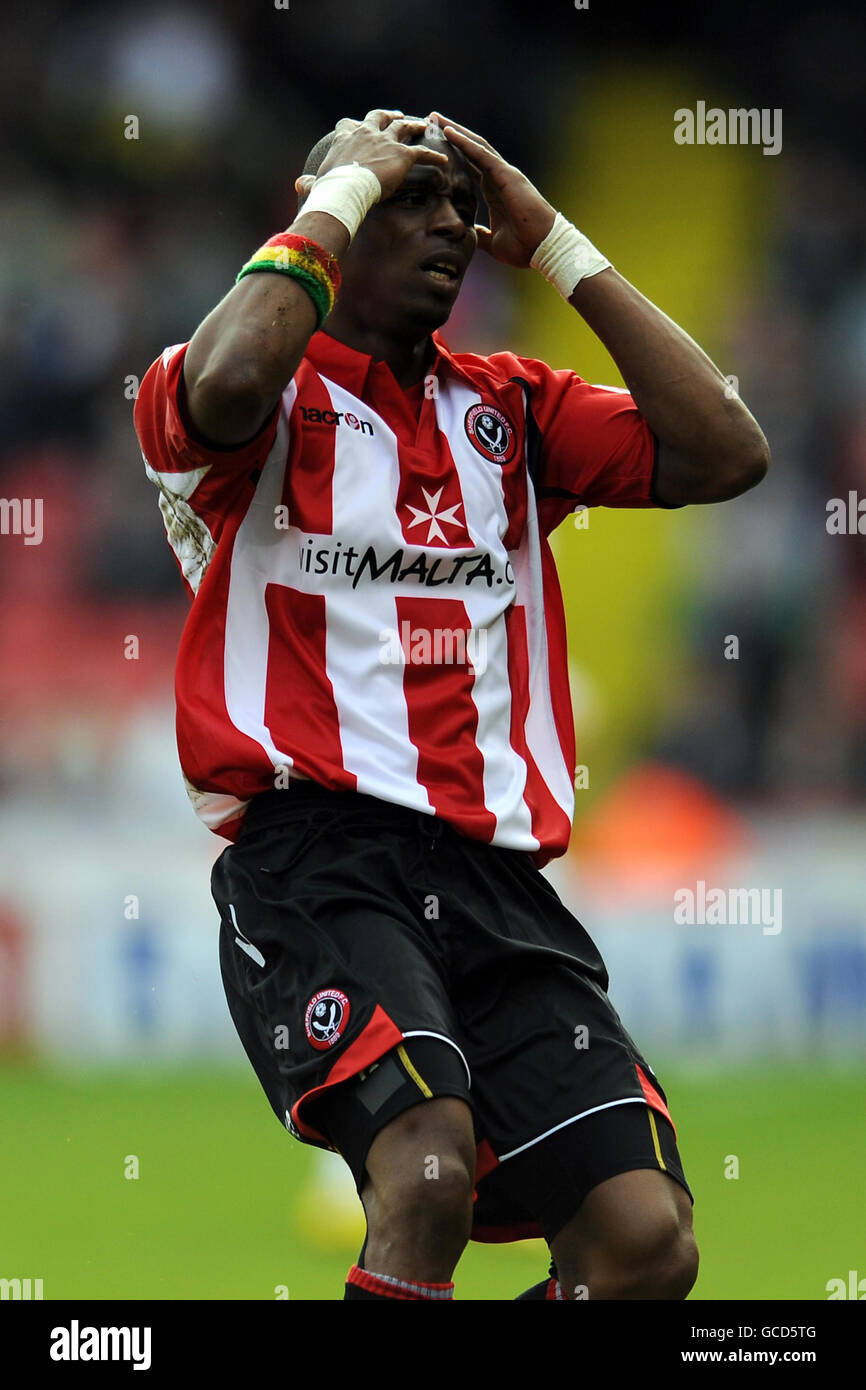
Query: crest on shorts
{"points": [[326, 1018], [491, 432]]}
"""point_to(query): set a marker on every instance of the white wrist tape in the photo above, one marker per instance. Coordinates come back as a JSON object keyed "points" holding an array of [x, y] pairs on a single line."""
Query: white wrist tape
{"points": [[347, 193], [566, 257]]}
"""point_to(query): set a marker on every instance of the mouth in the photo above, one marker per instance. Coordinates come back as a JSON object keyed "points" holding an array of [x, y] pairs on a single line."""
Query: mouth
{"points": [[443, 270]]}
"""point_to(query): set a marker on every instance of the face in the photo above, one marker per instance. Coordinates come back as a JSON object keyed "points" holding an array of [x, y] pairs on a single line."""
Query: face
{"points": [[389, 279]]}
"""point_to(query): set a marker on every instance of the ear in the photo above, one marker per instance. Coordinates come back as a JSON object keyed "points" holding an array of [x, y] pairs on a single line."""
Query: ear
{"points": [[303, 184]]}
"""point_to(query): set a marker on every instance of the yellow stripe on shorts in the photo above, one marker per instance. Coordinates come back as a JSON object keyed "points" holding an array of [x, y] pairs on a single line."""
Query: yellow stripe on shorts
{"points": [[419, 1080], [656, 1145]]}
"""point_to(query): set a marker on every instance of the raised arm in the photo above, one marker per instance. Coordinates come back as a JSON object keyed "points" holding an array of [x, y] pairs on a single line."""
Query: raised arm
{"points": [[244, 354], [710, 447]]}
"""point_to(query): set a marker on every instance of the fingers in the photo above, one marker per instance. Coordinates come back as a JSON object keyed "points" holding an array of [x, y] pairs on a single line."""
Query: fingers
{"points": [[393, 125], [381, 116], [400, 126], [403, 128], [422, 154], [407, 126], [484, 239], [472, 149], [462, 130]]}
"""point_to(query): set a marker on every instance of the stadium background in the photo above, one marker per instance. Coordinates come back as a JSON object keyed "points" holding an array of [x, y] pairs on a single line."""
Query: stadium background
{"points": [[747, 772]]}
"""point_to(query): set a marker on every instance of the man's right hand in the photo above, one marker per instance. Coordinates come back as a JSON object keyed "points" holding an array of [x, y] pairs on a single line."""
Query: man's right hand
{"points": [[378, 143], [241, 357]]}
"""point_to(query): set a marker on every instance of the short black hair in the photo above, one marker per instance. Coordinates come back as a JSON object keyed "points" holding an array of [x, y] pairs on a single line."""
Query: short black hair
{"points": [[317, 153]]}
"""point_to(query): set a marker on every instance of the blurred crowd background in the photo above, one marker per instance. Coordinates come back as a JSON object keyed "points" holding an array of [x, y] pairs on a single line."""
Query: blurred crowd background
{"points": [[699, 762]]}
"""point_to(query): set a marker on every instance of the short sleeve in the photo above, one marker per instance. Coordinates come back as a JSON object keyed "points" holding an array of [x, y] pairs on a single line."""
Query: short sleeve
{"points": [[200, 485], [591, 445], [168, 438]]}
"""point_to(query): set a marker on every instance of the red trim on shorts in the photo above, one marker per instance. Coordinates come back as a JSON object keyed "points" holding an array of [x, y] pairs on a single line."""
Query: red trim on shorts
{"points": [[653, 1099], [485, 1160], [379, 1036]]}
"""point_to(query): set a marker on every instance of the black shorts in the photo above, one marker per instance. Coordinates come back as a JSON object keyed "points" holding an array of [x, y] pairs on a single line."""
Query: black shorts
{"points": [[374, 958]]}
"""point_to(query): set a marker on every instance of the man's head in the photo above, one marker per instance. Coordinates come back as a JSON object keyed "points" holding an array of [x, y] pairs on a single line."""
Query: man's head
{"points": [[387, 281]]}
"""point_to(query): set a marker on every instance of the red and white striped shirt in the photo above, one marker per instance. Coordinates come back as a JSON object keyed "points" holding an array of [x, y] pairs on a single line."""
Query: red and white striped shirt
{"points": [[375, 603]]}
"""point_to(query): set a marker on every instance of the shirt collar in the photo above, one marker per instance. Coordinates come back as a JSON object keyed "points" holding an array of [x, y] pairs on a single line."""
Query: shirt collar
{"points": [[350, 368]]}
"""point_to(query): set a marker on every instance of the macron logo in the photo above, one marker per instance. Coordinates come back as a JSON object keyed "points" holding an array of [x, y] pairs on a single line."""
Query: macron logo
{"points": [[75, 1343], [312, 416]]}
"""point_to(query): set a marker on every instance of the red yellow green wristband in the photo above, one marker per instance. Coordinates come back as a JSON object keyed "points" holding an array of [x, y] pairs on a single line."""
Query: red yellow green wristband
{"points": [[307, 262]]}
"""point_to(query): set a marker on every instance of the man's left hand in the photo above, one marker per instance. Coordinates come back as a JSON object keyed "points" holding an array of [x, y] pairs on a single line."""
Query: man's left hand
{"points": [[520, 218]]}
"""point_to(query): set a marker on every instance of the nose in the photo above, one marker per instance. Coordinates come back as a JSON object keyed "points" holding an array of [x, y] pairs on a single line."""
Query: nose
{"points": [[445, 217]]}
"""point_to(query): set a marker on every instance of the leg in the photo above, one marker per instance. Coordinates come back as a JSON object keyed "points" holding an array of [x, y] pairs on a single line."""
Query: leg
{"points": [[576, 1117], [609, 1194], [631, 1238], [418, 1192], [407, 1132], [335, 918]]}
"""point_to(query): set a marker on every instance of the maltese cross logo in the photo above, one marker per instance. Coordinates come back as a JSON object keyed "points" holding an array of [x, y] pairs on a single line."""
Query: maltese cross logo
{"points": [[433, 517]]}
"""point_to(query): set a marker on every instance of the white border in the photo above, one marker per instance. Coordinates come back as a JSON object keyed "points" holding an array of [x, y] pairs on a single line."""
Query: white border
{"points": [[423, 1033], [629, 1100]]}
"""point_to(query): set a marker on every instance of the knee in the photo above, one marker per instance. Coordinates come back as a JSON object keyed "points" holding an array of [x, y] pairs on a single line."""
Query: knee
{"points": [[665, 1263], [660, 1262], [422, 1178], [657, 1259], [427, 1197]]}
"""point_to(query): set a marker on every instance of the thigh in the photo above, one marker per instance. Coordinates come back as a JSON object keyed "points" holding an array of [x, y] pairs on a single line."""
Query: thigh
{"points": [[549, 1052], [607, 1174], [632, 1237], [618, 1214], [406, 1114], [562, 1119], [326, 972], [564, 1098]]}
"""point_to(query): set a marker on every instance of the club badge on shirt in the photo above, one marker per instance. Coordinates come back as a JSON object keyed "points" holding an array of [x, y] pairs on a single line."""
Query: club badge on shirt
{"points": [[491, 432]]}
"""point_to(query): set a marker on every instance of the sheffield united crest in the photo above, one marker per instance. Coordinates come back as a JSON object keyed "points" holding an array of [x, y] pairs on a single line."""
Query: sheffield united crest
{"points": [[326, 1018], [491, 432]]}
